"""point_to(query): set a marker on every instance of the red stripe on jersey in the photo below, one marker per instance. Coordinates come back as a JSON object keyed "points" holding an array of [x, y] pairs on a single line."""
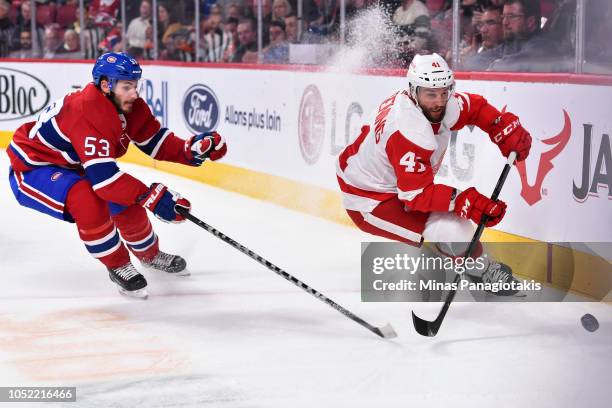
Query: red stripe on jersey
{"points": [[353, 148], [35, 194], [378, 196], [475, 111]]}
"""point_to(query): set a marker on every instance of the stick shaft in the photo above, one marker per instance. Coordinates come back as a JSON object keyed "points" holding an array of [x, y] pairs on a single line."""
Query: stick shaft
{"points": [[279, 271]]}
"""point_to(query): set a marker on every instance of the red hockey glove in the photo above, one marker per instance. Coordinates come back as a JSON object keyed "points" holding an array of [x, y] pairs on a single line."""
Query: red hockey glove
{"points": [[162, 202], [207, 145], [470, 204], [510, 136]]}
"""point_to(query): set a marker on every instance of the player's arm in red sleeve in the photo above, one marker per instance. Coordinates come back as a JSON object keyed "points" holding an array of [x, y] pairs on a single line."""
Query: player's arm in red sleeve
{"points": [[97, 155], [504, 129], [415, 176], [162, 144], [155, 141]]}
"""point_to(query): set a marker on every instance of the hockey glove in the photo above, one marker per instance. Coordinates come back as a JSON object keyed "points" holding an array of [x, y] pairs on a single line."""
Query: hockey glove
{"points": [[470, 204], [162, 202], [209, 145], [509, 135]]}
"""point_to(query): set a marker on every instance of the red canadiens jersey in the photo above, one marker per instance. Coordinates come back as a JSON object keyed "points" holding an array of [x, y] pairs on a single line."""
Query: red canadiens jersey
{"points": [[83, 131], [398, 153]]}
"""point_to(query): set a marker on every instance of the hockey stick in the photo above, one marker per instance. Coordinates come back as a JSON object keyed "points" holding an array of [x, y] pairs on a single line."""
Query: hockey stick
{"points": [[430, 328], [385, 331]]}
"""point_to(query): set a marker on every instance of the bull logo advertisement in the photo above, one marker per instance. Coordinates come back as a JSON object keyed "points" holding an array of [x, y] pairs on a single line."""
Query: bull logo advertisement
{"points": [[532, 193], [200, 109], [21, 94], [311, 124], [594, 177]]}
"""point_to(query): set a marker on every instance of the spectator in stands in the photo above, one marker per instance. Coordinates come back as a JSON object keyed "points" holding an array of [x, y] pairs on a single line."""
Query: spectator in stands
{"points": [[167, 23], [24, 24], [409, 44], [280, 10], [52, 43], [409, 12], [441, 20], [104, 12], [179, 48], [113, 41], [215, 41], [216, 9], [323, 19], [148, 46], [233, 10], [25, 46], [247, 38], [92, 33], [266, 18], [291, 29], [72, 46], [9, 35], [231, 29], [137, 29], [525, 47], [490, 31], [277, 52]]}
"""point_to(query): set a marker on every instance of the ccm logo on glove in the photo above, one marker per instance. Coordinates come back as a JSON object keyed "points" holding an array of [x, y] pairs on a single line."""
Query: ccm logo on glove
{"points": [[510, 136], [507, 130]]}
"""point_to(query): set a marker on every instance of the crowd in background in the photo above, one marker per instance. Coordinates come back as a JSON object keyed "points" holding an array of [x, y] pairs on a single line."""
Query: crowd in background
{"points": [[500, 35]]}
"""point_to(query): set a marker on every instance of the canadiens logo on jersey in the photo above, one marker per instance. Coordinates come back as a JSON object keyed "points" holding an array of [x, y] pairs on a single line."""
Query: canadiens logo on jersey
{"points": [[55, 176], [124, 140]]}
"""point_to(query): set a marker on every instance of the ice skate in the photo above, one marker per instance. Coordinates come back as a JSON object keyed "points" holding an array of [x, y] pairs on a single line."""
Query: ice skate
{"points": [[129, 281], [171, 264], [496, 272]]}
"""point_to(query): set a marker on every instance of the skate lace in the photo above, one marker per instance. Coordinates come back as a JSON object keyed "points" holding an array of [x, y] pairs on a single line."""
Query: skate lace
{"points": [[496, 273], [126, 272], [162, 259]]}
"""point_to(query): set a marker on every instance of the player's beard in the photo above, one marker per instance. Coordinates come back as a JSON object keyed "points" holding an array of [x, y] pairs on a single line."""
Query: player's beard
{"points": [[122, 107], [434, 117]]}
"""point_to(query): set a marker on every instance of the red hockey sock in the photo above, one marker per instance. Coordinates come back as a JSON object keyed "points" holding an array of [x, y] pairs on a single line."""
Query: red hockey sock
{"points": [[137, 231]]}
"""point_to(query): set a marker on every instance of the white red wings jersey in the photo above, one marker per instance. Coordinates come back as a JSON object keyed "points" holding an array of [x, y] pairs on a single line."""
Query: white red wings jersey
{"points": [[398, 153], [84, 131]]}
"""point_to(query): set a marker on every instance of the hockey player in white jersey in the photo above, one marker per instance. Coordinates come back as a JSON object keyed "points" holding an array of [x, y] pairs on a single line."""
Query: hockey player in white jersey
{"points": [[387, 174]]}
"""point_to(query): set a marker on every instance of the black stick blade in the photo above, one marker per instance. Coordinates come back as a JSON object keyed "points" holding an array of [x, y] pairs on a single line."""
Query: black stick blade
{"points": [[424, 327]]}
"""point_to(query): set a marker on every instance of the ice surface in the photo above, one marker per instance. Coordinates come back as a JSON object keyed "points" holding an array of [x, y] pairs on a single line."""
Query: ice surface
{"points": [[234, 334]]}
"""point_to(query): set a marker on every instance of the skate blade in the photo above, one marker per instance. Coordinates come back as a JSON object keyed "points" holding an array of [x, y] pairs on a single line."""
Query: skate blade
{"points": [[134, 294], [184, 272]]}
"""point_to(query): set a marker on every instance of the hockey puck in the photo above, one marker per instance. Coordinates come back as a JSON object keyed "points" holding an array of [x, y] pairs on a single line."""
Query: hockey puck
{"points": [[589, 322]]}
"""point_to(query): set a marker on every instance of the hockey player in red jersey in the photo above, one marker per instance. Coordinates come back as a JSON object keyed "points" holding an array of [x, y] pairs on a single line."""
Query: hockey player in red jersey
{"points": [[65, 165], [387, 174]]}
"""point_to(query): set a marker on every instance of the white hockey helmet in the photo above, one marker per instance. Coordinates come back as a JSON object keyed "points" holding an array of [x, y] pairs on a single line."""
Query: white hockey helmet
{"points": [[429, 71]]}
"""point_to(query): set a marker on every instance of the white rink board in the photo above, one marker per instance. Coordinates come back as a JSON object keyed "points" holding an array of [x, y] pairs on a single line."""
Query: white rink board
{"points": [[555, 214]]}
